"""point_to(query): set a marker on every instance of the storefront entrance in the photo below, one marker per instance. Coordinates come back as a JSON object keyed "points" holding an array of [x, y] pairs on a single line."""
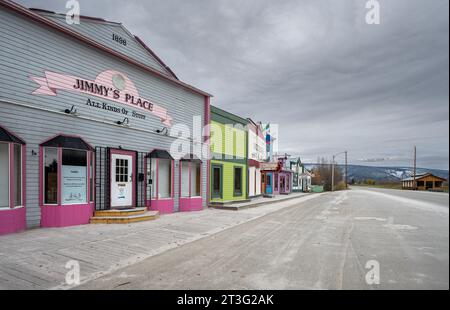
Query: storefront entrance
{"points": [[269, 190], [123, 179]]}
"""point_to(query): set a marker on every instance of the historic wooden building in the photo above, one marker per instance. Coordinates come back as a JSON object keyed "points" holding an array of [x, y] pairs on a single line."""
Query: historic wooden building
{"points": [[86, 123], [424, 181]]}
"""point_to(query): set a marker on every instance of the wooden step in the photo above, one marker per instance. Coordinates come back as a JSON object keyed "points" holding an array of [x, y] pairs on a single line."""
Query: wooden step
{"points": [[120, 213], [147, 216]]}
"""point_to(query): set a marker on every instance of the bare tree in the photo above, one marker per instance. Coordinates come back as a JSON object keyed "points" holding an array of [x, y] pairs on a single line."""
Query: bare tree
{"points": [[322, 174]]}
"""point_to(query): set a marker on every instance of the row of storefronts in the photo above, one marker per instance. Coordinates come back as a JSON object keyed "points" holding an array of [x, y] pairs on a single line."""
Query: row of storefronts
{"points": [[88, 123]]}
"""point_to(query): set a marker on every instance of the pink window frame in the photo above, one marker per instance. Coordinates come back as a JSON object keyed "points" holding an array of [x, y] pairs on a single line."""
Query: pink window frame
{"points": [[11, 178], [59, 180], [180, 171], [155, 182]]}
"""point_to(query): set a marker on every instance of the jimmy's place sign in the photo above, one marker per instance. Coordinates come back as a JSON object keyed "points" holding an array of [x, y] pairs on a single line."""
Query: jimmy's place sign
{"points": [[111, 85]]}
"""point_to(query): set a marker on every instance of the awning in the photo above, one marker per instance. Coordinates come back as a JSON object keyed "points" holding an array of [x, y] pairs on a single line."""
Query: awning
{"points": [[6, 136], [254, 163], [68, 142], [191, 158], [163, 154]]}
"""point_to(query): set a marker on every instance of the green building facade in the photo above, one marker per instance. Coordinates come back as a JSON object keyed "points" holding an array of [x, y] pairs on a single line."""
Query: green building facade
{"points": [[229, 167]]}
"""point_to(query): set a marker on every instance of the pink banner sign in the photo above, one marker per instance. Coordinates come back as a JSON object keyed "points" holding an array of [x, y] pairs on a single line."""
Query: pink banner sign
{"points": [[110, 84]]}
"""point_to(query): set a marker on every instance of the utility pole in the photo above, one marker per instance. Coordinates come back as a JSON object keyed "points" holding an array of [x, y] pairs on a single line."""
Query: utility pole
{"points": [[332, 170], [415, 167], [346, 171], [332, 174]]}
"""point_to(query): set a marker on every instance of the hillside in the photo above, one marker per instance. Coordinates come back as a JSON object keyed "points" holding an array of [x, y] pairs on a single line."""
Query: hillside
{"points": [[386, 174]]}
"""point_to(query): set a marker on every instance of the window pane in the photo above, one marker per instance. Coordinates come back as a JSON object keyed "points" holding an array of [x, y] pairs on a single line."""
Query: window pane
{"points": [[195, 179], [164, 178], [74, 177], [4, 175], [184, 179], [50, 175], [17, 175], [216, 180], [238, 180], [199, 180]]}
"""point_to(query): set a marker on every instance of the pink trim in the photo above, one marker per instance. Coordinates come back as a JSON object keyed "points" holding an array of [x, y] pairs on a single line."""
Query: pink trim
{"points": [[12, 220], [24, 175], [62, 215], [164, 206], [133, 155], [157, 178], [59, 177], [180, 164], [41, 176], [172, 182], [190, 175], [88, 175], [38, 18], [11, 174], [67, 215], [191, 204], [207, 142], [201, 179], [156, 57]]}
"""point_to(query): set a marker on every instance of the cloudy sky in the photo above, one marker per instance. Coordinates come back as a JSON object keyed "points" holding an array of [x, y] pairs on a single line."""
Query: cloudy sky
{"points": [[331, 81]]}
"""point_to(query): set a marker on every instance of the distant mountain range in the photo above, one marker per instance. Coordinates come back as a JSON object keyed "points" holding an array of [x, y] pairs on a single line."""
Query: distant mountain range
{"points": [[386, 174]]}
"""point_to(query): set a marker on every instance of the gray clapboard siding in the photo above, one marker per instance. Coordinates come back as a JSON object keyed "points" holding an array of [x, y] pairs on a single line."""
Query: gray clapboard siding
{"points": [[28, 49], [102, 33]]}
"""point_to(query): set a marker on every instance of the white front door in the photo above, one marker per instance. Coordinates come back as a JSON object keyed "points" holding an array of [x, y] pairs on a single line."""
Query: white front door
{"points": [[121, 180]]}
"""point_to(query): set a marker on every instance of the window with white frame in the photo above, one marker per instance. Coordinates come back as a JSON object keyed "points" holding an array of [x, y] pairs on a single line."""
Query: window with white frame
{"points": [[190, 178], [184, 179], [160, 173], [164, 178]]}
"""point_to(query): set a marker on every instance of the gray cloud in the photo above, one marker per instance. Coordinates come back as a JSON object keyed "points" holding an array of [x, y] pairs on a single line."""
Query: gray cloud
{"points": [[329, 80]]}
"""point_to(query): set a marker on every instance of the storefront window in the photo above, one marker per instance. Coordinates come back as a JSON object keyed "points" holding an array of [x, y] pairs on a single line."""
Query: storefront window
{"points": [[17, 172], [4, 175], [184, 178], [50, 175], [195, 179], [74, 177], [164, 178]]}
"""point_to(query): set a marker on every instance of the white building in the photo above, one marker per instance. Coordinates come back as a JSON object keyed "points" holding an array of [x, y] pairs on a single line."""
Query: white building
{"points": [[256, 155]]}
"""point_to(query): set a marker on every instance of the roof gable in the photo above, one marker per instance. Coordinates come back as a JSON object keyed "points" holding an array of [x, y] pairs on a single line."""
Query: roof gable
{"points": [[112, 35], [6, 136]]}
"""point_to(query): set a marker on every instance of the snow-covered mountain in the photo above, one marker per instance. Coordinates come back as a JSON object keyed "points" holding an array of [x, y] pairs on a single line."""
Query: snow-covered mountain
{"points": [[360, 173]]}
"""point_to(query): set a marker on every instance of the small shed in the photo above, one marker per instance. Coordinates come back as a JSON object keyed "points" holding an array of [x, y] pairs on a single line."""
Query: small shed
{"points": [[424, 181]]}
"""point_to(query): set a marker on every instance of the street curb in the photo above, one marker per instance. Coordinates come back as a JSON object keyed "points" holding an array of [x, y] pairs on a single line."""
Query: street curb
{"points": [[258, 204]]}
